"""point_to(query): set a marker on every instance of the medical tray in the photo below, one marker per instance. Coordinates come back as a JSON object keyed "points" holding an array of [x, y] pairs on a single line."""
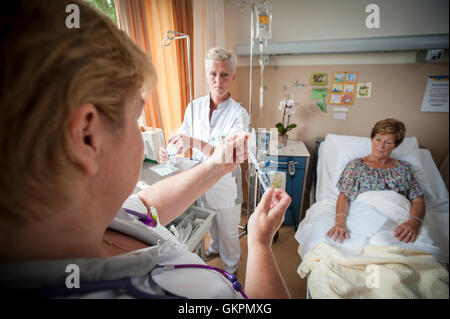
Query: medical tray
{"points": [[195, 240]]}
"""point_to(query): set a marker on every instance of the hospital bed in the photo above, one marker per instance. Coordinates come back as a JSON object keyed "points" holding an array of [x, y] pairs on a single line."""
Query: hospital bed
{"points": [[373, 263]]}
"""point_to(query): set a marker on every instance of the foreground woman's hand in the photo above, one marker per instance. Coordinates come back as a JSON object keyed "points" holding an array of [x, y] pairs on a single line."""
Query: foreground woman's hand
{"points": [[268, 216], [230, 153], [263, 278]]}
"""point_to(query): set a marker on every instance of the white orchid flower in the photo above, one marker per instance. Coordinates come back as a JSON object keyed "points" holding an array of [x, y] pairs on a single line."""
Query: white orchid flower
{"points": [[291, 109]]}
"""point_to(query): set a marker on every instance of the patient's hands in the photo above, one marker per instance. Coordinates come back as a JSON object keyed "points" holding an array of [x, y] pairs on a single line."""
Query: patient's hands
{"points": [[339, 231], [268, 216], [408, 231]]}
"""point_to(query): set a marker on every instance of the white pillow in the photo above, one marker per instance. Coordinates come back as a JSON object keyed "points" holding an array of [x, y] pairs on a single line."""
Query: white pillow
{"points": [[430, 180], [335, 152], [338, 150], [408, 146]]}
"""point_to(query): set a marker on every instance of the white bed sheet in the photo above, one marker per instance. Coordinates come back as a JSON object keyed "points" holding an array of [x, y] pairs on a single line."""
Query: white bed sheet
{"points": [[320, 217]]}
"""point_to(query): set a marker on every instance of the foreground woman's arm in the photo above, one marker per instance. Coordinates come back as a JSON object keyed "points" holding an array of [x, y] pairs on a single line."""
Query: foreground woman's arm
{"points": [[173, 195], [263, 278]]}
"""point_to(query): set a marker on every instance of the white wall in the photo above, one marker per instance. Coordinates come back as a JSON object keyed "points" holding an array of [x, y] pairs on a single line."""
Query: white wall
{"points": [[398, 83], [298, 20]]}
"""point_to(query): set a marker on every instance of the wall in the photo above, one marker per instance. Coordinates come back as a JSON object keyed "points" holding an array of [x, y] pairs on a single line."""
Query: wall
{"points": [[296, 20], [398, 83], [397, 91]]}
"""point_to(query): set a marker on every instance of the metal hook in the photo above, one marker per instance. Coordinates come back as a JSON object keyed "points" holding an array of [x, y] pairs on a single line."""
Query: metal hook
{"points": [[168, 38]]}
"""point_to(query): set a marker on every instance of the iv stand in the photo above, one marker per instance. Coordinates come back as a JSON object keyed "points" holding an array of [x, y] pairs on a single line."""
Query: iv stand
{"points": [[173, 35], [249, 182]]}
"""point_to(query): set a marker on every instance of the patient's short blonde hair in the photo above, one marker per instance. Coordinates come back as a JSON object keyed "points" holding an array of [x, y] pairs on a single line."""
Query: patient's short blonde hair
{"points": [[48, 70], [221, 54], [390, 126]]}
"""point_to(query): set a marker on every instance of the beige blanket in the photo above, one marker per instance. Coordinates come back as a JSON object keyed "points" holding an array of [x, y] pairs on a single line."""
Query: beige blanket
{"points": [[379, 272]]}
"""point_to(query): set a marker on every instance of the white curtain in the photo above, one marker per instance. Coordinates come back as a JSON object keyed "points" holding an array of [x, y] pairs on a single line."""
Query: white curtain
{"points": [[209, 32]]}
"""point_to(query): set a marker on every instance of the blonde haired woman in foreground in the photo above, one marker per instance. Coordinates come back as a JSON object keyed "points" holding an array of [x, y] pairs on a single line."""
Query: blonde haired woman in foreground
{"points": [[71, 156]]}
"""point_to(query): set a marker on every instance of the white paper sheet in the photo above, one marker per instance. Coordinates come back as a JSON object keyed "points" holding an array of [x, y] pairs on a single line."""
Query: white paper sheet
{"points": [[340, 113], [436, 95]]}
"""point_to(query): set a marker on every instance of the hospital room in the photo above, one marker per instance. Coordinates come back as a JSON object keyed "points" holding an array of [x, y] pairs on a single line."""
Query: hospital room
{"points": [[225, 149]]}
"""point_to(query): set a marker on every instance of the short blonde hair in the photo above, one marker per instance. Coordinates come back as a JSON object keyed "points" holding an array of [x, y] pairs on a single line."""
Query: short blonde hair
{"points": [[221, 54], [48, 70], [390, 126]]}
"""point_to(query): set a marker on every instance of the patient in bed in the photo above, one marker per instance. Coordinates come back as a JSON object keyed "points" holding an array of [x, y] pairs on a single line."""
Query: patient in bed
{"points": [[378, 171]]}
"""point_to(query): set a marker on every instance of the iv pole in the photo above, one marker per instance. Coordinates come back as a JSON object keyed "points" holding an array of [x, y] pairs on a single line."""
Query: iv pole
{"points": [[250, 204], [173, 35]]}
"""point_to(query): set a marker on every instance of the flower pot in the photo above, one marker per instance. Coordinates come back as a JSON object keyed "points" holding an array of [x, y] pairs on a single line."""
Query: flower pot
{"points": [[282, 140]]}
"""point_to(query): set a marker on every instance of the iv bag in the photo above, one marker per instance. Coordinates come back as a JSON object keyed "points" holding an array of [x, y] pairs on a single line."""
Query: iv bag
{"points": [[263, 19]]}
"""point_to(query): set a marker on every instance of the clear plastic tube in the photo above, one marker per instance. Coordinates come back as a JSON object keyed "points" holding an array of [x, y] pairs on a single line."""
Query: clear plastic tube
{"points": [[261, 175]]}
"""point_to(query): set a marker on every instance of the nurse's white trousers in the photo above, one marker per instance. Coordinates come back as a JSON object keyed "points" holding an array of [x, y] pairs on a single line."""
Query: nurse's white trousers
{"points": [[224, 236]]}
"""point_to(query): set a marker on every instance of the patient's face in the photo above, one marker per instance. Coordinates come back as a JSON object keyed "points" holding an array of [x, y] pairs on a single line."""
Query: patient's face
{"points": [[383, 145]]}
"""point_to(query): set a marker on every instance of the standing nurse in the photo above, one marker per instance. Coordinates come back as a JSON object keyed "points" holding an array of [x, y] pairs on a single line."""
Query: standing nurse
{"points": [[217, 116]]}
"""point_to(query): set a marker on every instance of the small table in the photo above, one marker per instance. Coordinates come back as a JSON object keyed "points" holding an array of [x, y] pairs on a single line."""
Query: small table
{"points": [[151, 177], [292, 161]]}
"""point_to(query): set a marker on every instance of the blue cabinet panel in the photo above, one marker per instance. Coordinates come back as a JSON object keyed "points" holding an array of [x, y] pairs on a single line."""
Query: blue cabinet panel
{"points": [[294, 181]]}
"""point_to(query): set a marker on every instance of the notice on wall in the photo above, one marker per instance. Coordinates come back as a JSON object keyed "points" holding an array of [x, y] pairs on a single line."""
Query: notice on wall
{"points": [[435, 98], [340, 113]]}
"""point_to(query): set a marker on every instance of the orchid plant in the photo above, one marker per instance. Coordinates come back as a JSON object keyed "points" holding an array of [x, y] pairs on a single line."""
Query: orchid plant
{"points": [[288, 106]]}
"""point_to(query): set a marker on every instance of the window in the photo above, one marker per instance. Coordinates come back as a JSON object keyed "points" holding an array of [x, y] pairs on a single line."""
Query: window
{"points": [[106, 7]]}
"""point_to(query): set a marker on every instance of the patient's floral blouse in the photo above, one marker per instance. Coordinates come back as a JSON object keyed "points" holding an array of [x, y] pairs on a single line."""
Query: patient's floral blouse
{"points": [[357, 177]]}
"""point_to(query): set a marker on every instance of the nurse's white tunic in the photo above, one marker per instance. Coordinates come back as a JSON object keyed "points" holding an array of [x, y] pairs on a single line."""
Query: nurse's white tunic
{"points": [[229, 117], [225, 197]]}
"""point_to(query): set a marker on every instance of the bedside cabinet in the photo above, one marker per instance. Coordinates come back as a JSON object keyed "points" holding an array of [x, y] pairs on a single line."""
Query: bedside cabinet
{"points": [[290, 165]]}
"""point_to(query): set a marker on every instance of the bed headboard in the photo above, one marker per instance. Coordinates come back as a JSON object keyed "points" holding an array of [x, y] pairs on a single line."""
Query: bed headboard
{"points": [[312, 188]]}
